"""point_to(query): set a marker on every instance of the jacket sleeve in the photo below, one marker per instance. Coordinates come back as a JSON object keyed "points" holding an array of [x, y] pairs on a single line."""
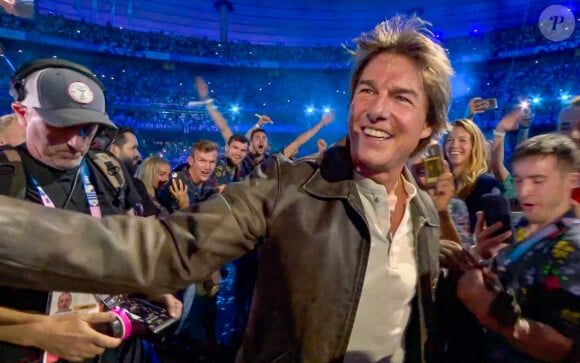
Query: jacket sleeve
{"points": [[49, 249]]}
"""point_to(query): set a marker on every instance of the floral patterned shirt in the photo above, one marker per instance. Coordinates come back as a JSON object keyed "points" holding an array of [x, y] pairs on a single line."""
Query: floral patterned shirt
{"points": [[545, 282], [226, 173]]}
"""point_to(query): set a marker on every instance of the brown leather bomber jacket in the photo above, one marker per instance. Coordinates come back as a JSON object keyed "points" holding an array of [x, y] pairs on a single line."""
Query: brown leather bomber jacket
{"points": [[311, 263]]}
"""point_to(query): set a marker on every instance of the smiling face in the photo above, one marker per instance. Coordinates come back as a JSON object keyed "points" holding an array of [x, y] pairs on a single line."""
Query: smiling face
{"points": [[388, 113], [236, 152], [458, 148], [161, 176]]}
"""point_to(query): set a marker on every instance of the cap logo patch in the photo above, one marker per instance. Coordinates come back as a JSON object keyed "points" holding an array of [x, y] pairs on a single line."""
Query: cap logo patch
{"points": [[80, 92]]}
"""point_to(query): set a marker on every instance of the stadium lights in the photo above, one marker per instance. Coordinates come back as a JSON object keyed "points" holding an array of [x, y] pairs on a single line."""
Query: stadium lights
{"points": [[309, 109], [326, 110], [536, 100], [235, 109]]}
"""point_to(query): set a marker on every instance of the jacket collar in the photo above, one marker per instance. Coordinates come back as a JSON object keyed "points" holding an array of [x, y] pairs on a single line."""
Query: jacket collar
{"points": [[334, 178]]}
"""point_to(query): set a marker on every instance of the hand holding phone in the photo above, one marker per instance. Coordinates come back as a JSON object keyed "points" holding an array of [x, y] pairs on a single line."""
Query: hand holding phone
{"points": [[496, 208], [491, 103], [433, 164]]}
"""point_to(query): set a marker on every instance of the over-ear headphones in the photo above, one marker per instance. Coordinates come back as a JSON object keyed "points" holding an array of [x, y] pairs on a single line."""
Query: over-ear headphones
{"points": [[104, 138], [17, 89]]}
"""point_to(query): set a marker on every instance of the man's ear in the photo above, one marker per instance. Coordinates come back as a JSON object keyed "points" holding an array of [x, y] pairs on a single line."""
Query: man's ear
{"points": [[190, 160], [114, 149], [3, 141], [20, 111], [427, 131]]}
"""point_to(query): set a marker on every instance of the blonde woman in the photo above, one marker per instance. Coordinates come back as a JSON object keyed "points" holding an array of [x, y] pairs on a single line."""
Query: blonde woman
{"points": [[154, 172], [466, 153]]}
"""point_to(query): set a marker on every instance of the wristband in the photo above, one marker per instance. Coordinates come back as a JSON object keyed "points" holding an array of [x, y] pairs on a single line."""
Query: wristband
{"points": [[498, 133], [257, 125], [207, 101]]}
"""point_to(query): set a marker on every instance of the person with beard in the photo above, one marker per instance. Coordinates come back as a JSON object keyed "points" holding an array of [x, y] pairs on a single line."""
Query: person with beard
{"points": [[125, 147], [229, 166]]}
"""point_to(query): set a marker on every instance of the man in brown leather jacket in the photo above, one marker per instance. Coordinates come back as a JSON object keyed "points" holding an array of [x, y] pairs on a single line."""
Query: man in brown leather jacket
{"points": [[351, 246]]}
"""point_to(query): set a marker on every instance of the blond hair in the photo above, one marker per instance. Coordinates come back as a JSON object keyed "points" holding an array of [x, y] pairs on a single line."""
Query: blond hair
{"points": [[477, 164], [147, 170], [410, 37], [204, 146]]}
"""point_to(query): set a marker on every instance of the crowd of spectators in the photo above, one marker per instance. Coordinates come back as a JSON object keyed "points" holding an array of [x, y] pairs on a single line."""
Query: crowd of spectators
{"points": [[159, 96], [123, 41]]}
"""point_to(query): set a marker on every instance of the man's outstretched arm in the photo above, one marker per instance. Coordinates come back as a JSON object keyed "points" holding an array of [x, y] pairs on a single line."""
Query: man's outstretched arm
{"points": [[50, 249]]}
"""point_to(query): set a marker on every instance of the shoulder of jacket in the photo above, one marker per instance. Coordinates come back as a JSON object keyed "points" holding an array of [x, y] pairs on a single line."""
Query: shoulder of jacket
{"points": [[287, 167]]}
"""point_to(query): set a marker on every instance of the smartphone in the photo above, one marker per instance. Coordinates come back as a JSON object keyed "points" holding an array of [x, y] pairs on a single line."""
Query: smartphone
{"points": [[491, 103], [433, 166], [496, 208]]}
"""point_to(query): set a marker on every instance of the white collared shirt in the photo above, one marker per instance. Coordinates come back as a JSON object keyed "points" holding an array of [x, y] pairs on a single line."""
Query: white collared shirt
{"points": [[390, 280]]}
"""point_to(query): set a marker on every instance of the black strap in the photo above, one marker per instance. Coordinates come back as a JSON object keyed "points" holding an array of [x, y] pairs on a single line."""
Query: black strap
{"points": [[12, 175]]}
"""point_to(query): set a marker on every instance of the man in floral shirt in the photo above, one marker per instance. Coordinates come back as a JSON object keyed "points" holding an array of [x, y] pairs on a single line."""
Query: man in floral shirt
{"points": [[229, 167], [540, 272]]}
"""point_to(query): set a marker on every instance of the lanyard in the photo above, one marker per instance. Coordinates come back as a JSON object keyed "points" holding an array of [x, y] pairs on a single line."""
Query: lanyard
{"points": [[559, 227], [90, 193]]}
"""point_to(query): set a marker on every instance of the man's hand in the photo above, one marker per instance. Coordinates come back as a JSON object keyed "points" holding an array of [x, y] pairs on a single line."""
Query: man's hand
{"points": [[264, 119], [327, 118], [476, 105], [321, 144], [486, 245], [510, 121], [8, 6], [173, 305], [201, 87], [443, 190], [71, 337]]}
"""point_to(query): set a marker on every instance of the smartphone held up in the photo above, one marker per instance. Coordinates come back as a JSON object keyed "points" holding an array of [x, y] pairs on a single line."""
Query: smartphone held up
{"points": [[433, 164]]}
